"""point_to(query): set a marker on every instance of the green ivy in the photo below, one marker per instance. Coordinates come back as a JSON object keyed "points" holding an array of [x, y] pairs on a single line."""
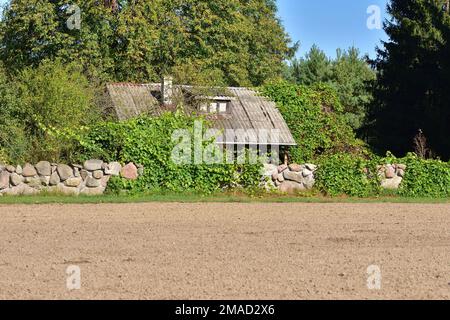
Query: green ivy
{"points": [[423, 178], [345, 174], [147, 141], [315, 118]]}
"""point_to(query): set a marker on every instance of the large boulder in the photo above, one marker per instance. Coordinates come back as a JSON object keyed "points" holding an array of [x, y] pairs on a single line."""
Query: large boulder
{"points": [[16, 179], [293, 176], [29, 170], [389, 172], [291, 187], [91, 182], [98, 174], [129, 172], [54, 179], [93, 165], [64, 171], [73, 182], [113, 169], [44, 168], [4, 180], [295, 167], [392, 184]]}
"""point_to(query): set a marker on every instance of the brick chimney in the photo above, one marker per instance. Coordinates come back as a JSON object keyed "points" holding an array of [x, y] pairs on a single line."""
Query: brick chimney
{"points": [[167, 90]]}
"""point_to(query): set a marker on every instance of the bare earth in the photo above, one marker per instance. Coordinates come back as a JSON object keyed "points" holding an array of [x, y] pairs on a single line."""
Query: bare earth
{"points": [[225, 251]]}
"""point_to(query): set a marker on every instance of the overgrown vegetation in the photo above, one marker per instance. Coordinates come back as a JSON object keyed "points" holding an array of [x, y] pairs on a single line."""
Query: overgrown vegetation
{"points": [[316, 119], [349, 74], [147, 141], [38, 102]]}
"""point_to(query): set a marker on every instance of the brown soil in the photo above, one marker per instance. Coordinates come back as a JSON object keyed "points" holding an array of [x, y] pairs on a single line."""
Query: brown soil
{"points": [[225, 251]]}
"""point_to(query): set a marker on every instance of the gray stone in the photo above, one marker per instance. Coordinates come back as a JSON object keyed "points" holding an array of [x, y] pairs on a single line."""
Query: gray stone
{"points": [[61, 188], [291, 187], [275, 176], [92, 165], [76, 172], [281, 178], [92, 182], [401, 166], [4, 180], [54, 179], [98, 174], [293, 176], [311, 167], [44, 168], [45, 180], [19, 169], [73, 182], [10, 169], [306, 172], [401, 173], [16, 179], [84, 174], [64, 171], [392, 184], [93, 191], [295, 167], [34, 182], [113, 169], [309, 182], [29, 171], [21, 189]]}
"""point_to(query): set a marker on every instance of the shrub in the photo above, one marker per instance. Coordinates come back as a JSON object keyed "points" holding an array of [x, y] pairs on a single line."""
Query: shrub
{"points": [[147, 141], [423, 178], [39, 103], [345, 174], [316, 119]]}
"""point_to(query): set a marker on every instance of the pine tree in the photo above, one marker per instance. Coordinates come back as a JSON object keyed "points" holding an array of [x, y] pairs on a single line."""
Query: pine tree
{"points": [[414, 76]]}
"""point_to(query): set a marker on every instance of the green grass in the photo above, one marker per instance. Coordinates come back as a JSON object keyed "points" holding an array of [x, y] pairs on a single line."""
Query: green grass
{"points": [[195, 198]]}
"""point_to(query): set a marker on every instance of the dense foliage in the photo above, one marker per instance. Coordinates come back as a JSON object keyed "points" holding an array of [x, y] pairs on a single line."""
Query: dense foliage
{"points": [[414, 76], [235, 42], [345, 174], [348, 73], [38, 102], [148, 141], [423, 178], [315, 118]]}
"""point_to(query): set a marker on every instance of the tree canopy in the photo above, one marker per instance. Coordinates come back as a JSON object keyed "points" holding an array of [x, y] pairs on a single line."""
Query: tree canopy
{"points": [[349, 73], [234, 42], [412, 93]]}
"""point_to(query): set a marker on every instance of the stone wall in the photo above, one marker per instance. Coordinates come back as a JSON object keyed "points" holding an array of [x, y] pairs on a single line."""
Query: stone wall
{"points": [[91, 178], [290, 178], [391, 175], [295, 178]]}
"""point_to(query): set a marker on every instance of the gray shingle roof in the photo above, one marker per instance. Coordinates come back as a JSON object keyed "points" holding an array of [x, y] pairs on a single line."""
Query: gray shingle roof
{"points": [[249, 110]]}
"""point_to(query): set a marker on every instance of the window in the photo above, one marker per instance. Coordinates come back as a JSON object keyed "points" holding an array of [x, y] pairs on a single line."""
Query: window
{"points": [[216, 106]]}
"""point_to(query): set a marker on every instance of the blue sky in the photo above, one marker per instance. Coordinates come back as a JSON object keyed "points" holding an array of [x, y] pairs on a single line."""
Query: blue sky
{"points": [[331, 24]]}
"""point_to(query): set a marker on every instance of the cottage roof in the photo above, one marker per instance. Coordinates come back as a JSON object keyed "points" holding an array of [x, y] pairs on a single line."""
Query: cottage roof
{"points": [[247, 109]]}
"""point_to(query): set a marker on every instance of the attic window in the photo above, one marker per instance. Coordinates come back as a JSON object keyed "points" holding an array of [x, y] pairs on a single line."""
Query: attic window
{"points": [[216, 106]]}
